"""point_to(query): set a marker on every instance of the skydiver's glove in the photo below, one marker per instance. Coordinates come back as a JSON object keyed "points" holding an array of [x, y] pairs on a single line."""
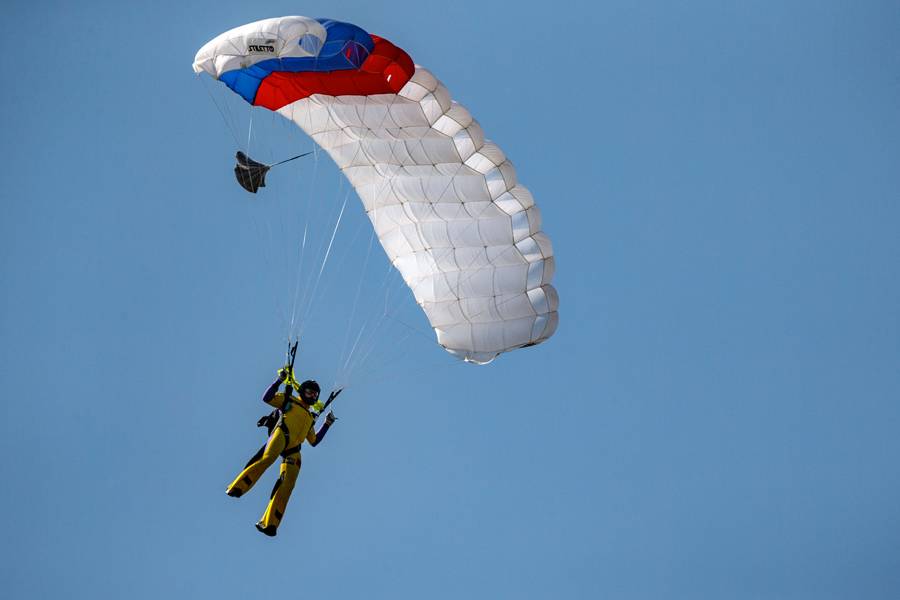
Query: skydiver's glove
{"points": [[330, 418], [284, 373]]}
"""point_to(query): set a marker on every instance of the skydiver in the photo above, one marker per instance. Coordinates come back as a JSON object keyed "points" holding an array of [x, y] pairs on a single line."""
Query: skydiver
{"points": [[290, 424]]}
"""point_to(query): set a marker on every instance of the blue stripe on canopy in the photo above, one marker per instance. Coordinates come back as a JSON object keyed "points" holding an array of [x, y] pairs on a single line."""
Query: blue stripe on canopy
{"points": [[346, 47]]}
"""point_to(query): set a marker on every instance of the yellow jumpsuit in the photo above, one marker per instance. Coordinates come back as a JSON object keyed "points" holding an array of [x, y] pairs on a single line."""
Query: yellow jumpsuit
{"points": [[296, 424]]}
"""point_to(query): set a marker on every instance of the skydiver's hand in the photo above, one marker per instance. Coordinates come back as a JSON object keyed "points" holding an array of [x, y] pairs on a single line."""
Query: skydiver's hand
{"points": [[283, 373], [330, 418]]}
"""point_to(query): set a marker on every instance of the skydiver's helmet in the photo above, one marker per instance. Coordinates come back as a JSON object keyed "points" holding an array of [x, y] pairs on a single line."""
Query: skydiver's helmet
{"points": [[309, 391]]}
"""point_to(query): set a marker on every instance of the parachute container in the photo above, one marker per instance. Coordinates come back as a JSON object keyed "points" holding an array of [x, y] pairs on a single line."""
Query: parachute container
{"points": [[445, 202]]}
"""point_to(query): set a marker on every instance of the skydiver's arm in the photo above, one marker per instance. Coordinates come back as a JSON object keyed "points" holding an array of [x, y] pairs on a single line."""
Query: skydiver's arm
{"points": [[271, 397], [315, 438]]}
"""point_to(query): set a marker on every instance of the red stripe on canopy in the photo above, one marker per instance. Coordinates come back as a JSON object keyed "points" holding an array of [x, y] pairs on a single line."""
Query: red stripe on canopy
{"points": [[385, 71]]}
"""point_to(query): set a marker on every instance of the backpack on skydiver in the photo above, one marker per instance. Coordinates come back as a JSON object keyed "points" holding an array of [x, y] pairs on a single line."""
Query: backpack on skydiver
{"points": [[270, 421]]}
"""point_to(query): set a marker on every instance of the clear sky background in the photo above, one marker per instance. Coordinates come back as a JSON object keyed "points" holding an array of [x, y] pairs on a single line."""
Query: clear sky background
{"points": [[717, 416]]}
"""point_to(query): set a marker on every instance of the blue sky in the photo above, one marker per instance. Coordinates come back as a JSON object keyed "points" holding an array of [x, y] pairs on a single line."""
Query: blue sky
{"points": [[716, 417]]}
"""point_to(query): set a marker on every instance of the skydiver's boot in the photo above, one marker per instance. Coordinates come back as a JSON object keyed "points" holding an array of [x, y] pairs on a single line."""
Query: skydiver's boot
{"points": [[270, 531]]}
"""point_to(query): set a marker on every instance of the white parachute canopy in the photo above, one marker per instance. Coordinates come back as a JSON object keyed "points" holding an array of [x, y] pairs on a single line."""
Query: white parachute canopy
{"points": [[445, 202]]}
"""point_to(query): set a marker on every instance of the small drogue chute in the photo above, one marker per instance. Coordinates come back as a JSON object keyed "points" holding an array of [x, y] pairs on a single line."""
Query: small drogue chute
{"points": [[252, 174]]}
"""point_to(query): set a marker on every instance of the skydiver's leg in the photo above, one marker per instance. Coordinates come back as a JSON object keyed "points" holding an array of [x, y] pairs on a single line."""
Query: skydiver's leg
{"points": [[258, 464], [281, 493]]}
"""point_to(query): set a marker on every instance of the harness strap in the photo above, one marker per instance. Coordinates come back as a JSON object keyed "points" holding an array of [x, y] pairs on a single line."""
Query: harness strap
{"points": [[292, 455]]}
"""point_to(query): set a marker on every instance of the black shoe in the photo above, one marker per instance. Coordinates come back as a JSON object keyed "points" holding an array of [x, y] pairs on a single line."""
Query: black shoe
{"points": [[234, 493], [270, 531]]}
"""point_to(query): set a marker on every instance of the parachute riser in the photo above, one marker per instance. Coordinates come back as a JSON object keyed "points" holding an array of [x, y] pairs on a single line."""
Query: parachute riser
{"points": [[331, 398], [290, 382]]}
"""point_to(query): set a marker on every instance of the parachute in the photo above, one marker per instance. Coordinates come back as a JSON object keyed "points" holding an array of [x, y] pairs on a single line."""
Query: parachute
{"points": [[445, 202]]}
